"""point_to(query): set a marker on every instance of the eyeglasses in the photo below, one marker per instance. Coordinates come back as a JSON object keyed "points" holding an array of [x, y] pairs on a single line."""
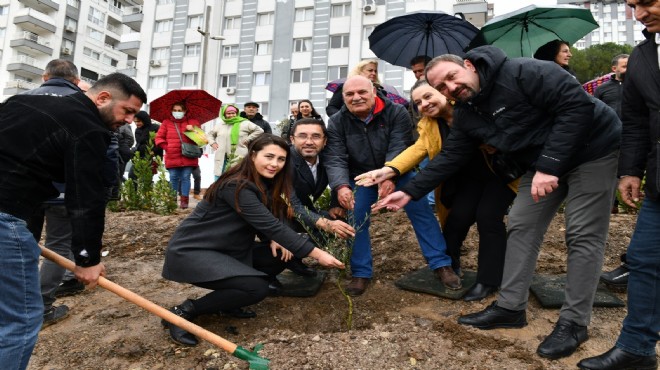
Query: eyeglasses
{"points": [[305, 137]]}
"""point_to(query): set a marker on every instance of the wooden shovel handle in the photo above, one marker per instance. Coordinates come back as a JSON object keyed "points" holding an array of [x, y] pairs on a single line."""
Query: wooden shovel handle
{"points": [[147, 305]]}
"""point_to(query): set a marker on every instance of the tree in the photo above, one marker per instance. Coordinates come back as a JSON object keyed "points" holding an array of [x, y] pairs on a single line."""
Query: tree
{"points": [[596, 60]]}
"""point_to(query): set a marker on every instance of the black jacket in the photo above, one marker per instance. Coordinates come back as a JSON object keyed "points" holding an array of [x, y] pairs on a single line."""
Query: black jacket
{"points": [[259, 120], [354, 148], [55, 86], [142, 139], [611, 93], [640, 111], [530, 109], [63, 139]]}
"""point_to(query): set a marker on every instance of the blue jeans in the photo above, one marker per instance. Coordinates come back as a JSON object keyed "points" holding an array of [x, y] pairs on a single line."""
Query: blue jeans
{"points": [[180, 175], [21, 306], [639, 334], [425, 225]]}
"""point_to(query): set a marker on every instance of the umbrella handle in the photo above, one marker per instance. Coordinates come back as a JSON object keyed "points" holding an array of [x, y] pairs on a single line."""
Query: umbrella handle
{"points": [[147, 305]]}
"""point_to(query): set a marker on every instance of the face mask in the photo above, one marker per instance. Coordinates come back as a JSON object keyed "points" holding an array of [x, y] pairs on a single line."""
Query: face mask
{"points": [[178, 115]]}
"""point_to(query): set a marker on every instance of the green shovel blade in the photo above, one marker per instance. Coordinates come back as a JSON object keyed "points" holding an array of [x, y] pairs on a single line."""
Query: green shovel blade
{"points": [[252, 357]]}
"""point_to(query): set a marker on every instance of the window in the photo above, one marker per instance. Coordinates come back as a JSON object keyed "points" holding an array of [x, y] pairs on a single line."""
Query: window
{"points": [[261, 78], [70, 22], [160, 53], [338, 41], [73, 3], [263, 108], [304, 14], [109, 61], [341, 10], [265, 19], [189, 79], [163, 26], [263, 48], [91, 53], [230, 51], [366, 31], [337, 72], [95, 34], [158, 82], [163, 2], [301, 45], [232, 23], [3, 32], [68, 44], [96, 16], [299, 75], [227, 80], [193, 50], [195, 21]]}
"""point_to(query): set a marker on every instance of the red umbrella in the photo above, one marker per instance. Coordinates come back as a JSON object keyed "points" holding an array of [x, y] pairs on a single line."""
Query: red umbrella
{"points": [[201, 105]]}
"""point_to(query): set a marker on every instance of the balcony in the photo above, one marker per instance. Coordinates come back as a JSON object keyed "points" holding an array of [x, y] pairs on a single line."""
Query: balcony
{"points": [[25, 66], [18, 86], [44, 6], [31, 43], [133, 17], [129, 44], [34, 21], [129, 68]]}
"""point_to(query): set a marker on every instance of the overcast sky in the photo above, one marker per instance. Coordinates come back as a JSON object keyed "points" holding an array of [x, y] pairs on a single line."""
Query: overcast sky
{"points": [[506, 6]]}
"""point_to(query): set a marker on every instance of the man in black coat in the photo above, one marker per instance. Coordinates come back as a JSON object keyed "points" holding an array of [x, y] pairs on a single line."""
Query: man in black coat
{"points": [[563, 142], [251, 112]]}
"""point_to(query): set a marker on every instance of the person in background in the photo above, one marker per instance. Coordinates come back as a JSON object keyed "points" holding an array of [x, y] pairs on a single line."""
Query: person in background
{"points": [[168, 139], [417, 65], [251, 112], [126, 140], [197, 183], [71, 148], [231, 138], [144, 127], [306, 110], [286, 129], [213, 248], [557, 51], [636, 347]]}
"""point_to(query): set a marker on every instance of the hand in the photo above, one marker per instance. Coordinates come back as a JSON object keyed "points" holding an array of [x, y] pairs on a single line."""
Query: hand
{"points": [[286, 254], [385, 188], [345, 196], [374, 177], [214, 146], [337, 212], [543, 184], [90, 275], [326, 259], [629, 187], [189, 127], [392, 202], [337, 227]]}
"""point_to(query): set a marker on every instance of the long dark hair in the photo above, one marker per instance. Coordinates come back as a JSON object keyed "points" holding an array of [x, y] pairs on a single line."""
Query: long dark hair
{"points": [[314, 113], [245, 172]]}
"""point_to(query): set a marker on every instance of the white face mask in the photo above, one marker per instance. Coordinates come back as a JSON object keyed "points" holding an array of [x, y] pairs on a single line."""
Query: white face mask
{"points": [[178, 115]]}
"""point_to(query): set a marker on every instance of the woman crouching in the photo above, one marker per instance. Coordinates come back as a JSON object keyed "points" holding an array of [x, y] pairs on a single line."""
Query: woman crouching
{"points": [[214, 248]]}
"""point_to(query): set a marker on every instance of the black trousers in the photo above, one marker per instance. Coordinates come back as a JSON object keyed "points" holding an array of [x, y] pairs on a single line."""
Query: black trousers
{"points": [[240, 291], [482, 198]]}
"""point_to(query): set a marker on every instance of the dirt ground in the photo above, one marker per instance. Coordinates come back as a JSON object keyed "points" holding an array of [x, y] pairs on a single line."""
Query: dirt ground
{"points": [[392, 329]]}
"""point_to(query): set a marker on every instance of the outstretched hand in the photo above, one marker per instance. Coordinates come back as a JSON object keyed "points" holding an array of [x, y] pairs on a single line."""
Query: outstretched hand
{"points": [[392, 202], [286, 254], [326, 259], [374, 177]]}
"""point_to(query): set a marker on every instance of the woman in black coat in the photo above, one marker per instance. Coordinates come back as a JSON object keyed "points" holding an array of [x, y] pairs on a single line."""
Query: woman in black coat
{"points": [[143, 130], [214, 247]]}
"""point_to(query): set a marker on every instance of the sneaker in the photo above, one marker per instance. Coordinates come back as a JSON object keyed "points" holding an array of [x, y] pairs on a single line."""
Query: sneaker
{"points": [[54, 315], [69, 288]]}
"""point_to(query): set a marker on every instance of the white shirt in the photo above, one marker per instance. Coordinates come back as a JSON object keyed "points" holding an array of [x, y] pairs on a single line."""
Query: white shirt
{"points": [[313, 167], [657, 45]]}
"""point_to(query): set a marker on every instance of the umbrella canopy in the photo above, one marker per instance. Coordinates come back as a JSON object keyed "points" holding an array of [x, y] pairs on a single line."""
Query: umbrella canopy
{"points": [[521, 32], [402, 38], [201, 105], [390, 91]]}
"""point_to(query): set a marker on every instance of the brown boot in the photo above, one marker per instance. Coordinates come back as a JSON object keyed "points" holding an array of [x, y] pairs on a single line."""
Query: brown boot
{"points": [[357, 286], [448, 277], [183, 203]]}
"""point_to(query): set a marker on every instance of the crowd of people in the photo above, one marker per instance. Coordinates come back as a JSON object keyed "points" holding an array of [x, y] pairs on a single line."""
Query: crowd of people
{"points": [[485, 134]]}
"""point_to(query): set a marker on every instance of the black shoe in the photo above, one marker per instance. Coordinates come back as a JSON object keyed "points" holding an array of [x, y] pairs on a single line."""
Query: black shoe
{"points": [[618, 359], [563, 341], [239, 313], [299, 268], [617, 278], [54, 315], [274, 287], [479, 291], [178, 335], [68, 288], [493, 317]]}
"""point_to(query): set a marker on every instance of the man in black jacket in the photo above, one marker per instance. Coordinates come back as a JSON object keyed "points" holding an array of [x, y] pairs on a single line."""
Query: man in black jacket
{"points": [[564, 143], [46, 139], [640, 109], [251, 112]]}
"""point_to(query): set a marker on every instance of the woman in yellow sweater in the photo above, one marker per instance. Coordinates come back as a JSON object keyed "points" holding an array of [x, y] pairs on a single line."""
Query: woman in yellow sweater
{"points": [[474, 194]]}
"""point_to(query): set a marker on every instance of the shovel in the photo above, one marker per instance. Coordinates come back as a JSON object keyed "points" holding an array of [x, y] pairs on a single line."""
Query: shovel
{"points": [[256, 362]]}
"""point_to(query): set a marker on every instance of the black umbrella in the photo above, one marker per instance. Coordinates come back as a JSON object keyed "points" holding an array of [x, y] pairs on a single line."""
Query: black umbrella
{"points": [[402, 38]]}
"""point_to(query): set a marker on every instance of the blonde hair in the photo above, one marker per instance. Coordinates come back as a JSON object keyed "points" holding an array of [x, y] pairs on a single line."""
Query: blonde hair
{"points": [[357, 70]]}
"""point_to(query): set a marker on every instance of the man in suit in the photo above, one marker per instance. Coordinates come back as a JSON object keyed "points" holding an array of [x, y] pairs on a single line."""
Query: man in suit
{"points": [[308, 138]]}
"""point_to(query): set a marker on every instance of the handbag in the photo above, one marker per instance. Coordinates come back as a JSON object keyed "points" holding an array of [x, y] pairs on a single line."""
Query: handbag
{"points": [[188, 150]]}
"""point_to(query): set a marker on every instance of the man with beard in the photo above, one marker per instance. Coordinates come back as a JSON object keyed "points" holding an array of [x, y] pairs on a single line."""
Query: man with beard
{"points": [[564, 143], [46, 139]]}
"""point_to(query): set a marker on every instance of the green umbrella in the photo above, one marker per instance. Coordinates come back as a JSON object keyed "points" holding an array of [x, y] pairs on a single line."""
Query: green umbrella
{"points": [[521, 32]]}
